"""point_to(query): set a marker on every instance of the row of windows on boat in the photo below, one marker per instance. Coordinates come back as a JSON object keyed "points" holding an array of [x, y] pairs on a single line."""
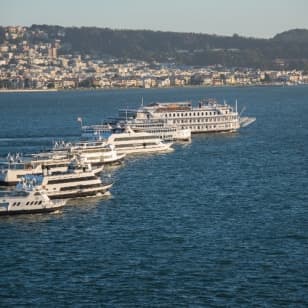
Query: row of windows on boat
{"points": [[94, 150], [133, 138], [136, 145], [201, 120], [21, 166], [190, 114], [194, 127], [60, 181], [28, 203], [80, 187]]}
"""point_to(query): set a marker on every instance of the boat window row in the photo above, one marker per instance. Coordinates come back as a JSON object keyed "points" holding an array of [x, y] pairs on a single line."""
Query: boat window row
{"points": [[195, 127], [136, 145], [28, 203], [54, 165], [60, 181], [94, 150], [133, 138], [201, 120], [190, 114], [80, 187]]}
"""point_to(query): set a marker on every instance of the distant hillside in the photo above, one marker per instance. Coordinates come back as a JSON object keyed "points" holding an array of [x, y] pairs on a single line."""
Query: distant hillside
{"points": [[286, 50], [299, 36]]}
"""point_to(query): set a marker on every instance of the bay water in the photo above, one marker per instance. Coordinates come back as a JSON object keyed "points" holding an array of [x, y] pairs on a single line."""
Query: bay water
{"points": [[220, 221]]}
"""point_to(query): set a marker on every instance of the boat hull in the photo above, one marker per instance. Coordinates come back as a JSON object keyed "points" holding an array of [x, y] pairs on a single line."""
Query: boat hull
{"points": [[34, 211]]}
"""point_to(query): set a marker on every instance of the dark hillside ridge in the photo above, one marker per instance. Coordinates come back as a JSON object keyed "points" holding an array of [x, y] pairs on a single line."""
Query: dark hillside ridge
{"points": [[286, 50]]}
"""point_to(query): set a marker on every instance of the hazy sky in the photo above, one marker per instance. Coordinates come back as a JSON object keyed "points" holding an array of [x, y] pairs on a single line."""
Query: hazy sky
{"points": [[258, 18]]}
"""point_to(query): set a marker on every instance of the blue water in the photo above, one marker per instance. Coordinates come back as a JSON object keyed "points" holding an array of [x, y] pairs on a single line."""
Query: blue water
{"points": [[221, 221]]}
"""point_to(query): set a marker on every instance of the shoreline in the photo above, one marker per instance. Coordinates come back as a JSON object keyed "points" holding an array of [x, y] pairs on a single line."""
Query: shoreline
{"points": [[126, 88], [27, 90]]}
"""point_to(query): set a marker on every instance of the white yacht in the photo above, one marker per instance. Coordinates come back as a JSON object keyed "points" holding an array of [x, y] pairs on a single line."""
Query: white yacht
{"points": [[96, 152], [79, 181], [157, 128], [13, 169], [130, 142], [28, 199], [208, 116]]}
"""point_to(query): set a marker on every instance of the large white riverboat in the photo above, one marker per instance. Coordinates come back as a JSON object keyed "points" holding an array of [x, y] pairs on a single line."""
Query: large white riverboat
{"points": [[208, 116]]}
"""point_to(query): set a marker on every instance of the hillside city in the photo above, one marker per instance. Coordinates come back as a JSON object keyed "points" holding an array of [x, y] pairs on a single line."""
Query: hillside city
{"points": [[40, 65]]}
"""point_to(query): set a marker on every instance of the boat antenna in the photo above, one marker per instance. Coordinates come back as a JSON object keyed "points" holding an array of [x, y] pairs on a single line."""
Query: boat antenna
{"points": [[141, 101], [236, 106], [79, 119]]}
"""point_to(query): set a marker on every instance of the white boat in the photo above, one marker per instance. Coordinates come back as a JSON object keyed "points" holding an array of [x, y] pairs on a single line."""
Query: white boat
{"points": [[28, 199], [160, 129], [13, 169], [130, 142], [157, 128], [209, 116], [96, 152], [79, 181]]}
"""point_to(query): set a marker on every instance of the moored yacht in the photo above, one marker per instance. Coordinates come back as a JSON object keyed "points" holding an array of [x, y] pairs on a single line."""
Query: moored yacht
{"points": [[28, 199], [157, 128], [130, 142], [79, 181], [96, 152], [12, 170]]}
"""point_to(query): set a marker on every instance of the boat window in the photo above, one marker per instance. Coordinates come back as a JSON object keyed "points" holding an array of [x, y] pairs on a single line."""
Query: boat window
{"points": [[27, 203], [40, 202], [32, 203], [18, 203], [14, 203]]}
